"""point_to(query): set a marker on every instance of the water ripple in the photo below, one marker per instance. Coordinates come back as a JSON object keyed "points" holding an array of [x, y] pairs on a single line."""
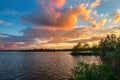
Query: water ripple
{"points": [[39, 66]]}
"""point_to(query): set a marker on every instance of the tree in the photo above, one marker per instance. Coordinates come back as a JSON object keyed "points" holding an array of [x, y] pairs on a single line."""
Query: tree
{"points": [[108, 43], [95, 49], [76, 49], [86, 46], [110, 48]]}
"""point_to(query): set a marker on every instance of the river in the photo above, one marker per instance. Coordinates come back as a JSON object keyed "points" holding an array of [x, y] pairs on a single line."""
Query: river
{"points": [[40, 65]]}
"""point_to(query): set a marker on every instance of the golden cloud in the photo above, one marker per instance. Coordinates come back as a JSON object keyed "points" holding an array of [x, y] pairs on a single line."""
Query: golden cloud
{"points": [[116, 19], [102, 22], [93, 24], [95, 4]]}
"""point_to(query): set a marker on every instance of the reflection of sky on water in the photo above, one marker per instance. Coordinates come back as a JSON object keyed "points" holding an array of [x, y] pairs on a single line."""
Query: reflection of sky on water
{"points": [[39, 66]]}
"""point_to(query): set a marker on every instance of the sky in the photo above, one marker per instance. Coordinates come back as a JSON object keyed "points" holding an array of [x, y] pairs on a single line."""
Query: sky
{"points": [[60, 24]]}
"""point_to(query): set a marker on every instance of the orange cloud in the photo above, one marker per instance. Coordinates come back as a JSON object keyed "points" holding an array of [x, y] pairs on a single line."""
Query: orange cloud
{"points": [[116, 19], [52, 3], [86, 16], [70, 22], [57, 45], [85, 13], [102, 22], [58, 3], [95, 13], [95, 4], [84, 35], [58, 19], [14, 46], [93, 24], [85, 29], [92, 21]]}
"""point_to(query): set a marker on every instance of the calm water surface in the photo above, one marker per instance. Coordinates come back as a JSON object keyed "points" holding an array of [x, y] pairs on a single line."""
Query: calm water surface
{"points": [[39, 65]]}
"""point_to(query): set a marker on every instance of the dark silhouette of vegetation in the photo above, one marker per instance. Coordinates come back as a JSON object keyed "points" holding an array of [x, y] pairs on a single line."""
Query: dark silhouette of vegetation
{"points": [[84, 49], [44, 50], [77, 49], [109, 69]]}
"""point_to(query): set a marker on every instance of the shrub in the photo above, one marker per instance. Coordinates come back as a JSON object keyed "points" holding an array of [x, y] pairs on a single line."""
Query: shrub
{"points": [[93, 72]]}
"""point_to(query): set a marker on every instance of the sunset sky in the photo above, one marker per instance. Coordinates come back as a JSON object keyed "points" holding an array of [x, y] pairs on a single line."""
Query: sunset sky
{"points": [[56, 23]]}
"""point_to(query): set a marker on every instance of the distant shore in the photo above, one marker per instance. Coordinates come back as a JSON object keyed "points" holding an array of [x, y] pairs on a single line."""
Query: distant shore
{"points": [[82, 53], [37, 50]]}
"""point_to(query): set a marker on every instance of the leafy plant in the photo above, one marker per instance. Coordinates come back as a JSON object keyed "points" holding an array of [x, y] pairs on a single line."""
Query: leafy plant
{"points": [[93, 72]]}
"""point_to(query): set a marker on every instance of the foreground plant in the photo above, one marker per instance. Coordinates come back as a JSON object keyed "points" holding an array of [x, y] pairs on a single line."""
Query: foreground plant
{"points": [[93, 72]]}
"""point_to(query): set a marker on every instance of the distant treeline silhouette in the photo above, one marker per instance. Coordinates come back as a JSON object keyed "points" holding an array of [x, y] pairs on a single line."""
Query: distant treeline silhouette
{"points": [[45, 50]]}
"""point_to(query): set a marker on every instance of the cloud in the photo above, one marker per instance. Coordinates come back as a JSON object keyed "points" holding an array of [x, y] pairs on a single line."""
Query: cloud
{"points": [[102, 22], [101, 15], [5, 23], [110, 21], [108, 30], [1, 21], [95, 4], [117, 12], [92, 39], [45, 34], [14, 42], [95, 26], [116, 19], [53, 17], [38, 38], [95, 13], [107, 14], [93, 23], [85, 29], [8, 24], [3, 35], [116, 15], [104, 15], [9, 12], [54, 25], [51, 3]]}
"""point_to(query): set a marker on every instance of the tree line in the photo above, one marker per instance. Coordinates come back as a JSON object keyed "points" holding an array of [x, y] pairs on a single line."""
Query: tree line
{"points": [[107, 44]]}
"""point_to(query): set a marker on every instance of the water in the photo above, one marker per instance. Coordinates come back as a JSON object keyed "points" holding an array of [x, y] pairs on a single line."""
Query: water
{"points": [[39, 65]]}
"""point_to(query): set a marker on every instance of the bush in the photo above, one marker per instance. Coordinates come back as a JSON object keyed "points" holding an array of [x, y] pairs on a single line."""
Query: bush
{"points": [[113, 59], [93, 72]]}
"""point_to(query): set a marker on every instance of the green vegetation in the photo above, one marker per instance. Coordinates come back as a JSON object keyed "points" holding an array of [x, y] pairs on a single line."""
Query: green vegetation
{"points": [[109, 69], [93, 72]]}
